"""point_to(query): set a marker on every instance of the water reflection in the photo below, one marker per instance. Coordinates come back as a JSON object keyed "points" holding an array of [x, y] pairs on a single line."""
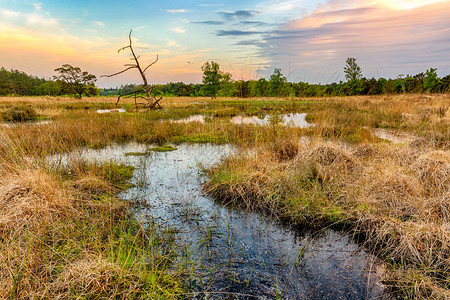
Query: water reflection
{"points": [[291, 120], [393, 136], [116, 110], [239, 255], [195, 118]]}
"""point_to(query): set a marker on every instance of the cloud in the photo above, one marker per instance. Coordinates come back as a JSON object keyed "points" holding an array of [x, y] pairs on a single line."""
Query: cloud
{"points": [[99, 24], [38, 19], [178, 30], [238, 15], [177, 11], [37, 6], [211, 5], [172, 43], [252, 23], [237, 32], [209, 22], [382, 38], [9, 13], [407, 4], [249, 43], [282, 6]]}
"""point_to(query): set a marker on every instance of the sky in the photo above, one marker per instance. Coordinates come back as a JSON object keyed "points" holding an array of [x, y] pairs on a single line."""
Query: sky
{"points": [[308, 40]]}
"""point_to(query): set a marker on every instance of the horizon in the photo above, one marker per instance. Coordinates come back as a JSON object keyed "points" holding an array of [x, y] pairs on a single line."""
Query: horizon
{"points": [[308, 40]]}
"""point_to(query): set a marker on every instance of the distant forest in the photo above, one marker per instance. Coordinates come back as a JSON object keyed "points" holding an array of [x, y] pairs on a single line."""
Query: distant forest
{"points": [[17, 83]]}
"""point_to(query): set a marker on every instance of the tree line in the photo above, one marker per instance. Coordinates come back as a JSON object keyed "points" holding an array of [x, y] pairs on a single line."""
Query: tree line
{"points": [[68, 81], [217, 83]]}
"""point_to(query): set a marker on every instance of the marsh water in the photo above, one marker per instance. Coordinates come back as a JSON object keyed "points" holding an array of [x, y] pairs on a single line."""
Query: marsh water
{"points": [[291, 120], [237, 254]]}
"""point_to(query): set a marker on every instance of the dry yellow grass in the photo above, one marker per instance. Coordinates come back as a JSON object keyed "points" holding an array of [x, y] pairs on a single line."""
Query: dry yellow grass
{"points": [[63, 234], [393, 196], [31, 198]]}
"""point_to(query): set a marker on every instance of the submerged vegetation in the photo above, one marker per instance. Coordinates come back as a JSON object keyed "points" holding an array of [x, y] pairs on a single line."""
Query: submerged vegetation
{"points": [[165, 148], [66, 234]]}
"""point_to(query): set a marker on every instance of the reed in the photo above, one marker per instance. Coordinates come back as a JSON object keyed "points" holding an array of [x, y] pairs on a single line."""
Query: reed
{"points": [[394, 198], [65, 234]]}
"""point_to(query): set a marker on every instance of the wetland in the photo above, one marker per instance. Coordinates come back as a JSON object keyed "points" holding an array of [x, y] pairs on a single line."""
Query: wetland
{"points": [[227, 198]]}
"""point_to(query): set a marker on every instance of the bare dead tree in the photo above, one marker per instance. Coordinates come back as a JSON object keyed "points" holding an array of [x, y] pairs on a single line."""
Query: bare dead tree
{"points": [[152, 102]]}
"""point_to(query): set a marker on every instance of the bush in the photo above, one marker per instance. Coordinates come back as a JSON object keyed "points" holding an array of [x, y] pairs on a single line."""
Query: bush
{"points": [[20, 113]]}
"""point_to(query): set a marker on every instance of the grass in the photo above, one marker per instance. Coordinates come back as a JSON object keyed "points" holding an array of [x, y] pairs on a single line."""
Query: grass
{"points": [[65, 234], [165, 148], [394, 198], [19, 113]]}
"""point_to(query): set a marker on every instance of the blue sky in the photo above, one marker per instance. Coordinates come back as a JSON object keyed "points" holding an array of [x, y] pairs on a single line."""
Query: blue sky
{"points": [[308, 40]]}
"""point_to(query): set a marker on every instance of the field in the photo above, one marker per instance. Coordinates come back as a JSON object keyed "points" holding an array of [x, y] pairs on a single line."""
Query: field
{"points": [[65, 233]]}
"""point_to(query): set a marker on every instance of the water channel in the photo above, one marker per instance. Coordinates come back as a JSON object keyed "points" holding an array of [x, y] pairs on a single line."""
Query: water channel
{"points": [[239, 255]]}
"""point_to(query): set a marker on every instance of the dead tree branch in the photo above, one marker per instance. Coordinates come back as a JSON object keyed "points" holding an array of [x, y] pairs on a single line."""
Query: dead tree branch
{"points": [[152, 102]]}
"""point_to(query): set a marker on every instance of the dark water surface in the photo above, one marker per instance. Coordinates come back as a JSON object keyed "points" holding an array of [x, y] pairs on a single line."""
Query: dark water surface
{"points": [[241, 255]]}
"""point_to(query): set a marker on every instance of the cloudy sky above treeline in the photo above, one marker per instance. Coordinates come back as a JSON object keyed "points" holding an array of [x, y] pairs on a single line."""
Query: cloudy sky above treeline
{"points": [[308, 40]]}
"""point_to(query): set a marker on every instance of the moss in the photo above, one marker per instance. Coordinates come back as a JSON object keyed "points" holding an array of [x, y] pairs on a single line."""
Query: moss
{"points": [[201, 138], [165, 148], [136, 153], [119, 174]]}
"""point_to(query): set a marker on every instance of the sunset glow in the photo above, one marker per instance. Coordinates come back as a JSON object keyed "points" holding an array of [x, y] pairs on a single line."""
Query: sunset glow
{"points": [[247, 38]]}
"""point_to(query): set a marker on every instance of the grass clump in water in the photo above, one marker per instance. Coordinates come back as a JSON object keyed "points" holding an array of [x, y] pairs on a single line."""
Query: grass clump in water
{"points": [[200, 138], [136, 153], [20, 113], [395, 198], [65, 235], [165, 148]]}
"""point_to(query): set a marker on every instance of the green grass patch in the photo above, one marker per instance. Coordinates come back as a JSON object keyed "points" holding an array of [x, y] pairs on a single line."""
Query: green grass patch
{"points": [[136, 153], [201, 138], [165, 148]]}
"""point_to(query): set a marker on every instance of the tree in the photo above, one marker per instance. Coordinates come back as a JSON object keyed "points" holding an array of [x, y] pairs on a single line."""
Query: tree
{"points": [[261, 87], [430, 80], [243, 88], [227, 85], [352, 70], [276, 83], [211, 78], [152, 102], [353, 74], [75, 81]]}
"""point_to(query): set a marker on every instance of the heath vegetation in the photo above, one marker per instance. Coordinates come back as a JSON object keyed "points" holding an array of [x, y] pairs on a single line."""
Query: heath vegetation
{"points": [[65, 234]]}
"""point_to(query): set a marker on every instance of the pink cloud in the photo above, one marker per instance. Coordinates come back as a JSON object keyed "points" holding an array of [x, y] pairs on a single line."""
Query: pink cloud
{"points": [[381, 37]]}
